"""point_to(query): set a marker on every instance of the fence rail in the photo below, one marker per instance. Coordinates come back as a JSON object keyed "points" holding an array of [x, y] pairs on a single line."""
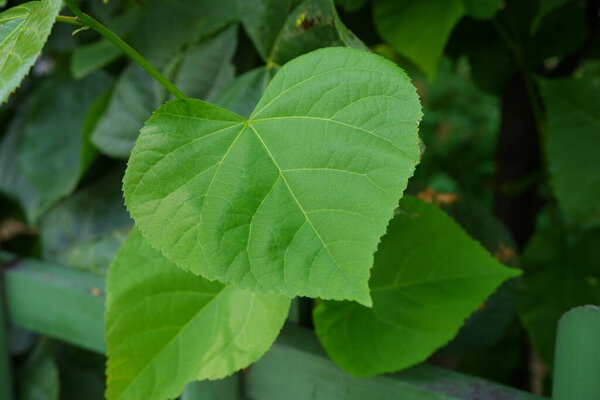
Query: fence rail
{"points": [[68, 305]]}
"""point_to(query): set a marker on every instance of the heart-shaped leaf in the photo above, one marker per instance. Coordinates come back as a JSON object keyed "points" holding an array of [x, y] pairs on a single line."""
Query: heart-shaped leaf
{"points": [[23, 32], [429, 275], [293, 200], [166, 327]]}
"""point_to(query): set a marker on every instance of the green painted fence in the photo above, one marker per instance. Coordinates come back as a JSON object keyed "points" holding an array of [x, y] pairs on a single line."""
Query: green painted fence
{"points": [[68, 305]]}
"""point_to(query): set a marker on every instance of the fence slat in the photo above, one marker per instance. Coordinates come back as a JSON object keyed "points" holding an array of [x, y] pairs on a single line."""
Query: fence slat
{"points": [[577, 359]]}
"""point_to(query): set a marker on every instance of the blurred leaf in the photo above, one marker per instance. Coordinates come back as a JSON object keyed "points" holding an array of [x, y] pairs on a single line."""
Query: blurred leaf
{"points": [[87, 229], [155, 309], [544, 7], [264, 221], [39, 379], [351, 5], [482, 9], [51, 152], [159, 30], [283, 30], [428, 276], [13, 181], [418, 29], [242, 94], [557, 277], [132, 101], [203, 70], [207, 67], [24, 30], [81, 372], [573, 145]]}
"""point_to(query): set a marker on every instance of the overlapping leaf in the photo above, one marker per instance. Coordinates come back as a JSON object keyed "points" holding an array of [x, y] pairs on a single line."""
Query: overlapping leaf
{"points": [[293, 200], [166, 327], [573, 145], [24, 30], [429, 275]]}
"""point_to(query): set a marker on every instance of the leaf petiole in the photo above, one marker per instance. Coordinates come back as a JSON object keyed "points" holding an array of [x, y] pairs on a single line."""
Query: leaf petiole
{"points": [[83, 19]]}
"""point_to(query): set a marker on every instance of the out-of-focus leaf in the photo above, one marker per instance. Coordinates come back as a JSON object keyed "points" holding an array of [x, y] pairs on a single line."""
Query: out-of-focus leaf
{"points": [[13, 181], [418, 29], [351, 5], [242, 95], [544, 7], [52, 151], [166, 327], [86, 230], [293, 200], [39, 379], [202, 72], [282, 30], [557, 277], [132, 101], [573, 145], [428, 276], [81, 372], [206, 68], [482, 9], [24, 30]]}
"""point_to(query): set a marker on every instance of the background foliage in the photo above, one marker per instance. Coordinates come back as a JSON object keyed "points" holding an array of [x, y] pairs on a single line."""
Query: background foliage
{"points": [[509, 164]]}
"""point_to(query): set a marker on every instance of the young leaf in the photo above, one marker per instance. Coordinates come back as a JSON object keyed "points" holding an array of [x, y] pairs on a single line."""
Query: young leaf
{"points": [[24, 30], [573, 145], [418, 29], [429, 275], [166, 327], [293, 200]]}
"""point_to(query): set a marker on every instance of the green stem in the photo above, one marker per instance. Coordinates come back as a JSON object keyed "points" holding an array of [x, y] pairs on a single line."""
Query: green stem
{"points": [[127, 49], [69, 20]]}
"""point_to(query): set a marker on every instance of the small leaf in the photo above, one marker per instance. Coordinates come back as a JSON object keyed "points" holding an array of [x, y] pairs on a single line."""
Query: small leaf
{"points": [[24, 30], [166, 327], [429, 275], [293, 200], [573, 145], [418, 29]]}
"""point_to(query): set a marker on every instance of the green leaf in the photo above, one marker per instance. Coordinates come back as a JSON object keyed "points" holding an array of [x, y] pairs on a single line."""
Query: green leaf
{"points": [[132, 101], [52, 151], [225, 389], [86, 230], [202, 72], [545, 7], [243, 93], [282, 30], [573, 145], [557, 277], [13, 181], [293, 200], [429, 275], [482, 9], [24, 30], [418, 29], [166, 327], [39, 379], [206, 68]]}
